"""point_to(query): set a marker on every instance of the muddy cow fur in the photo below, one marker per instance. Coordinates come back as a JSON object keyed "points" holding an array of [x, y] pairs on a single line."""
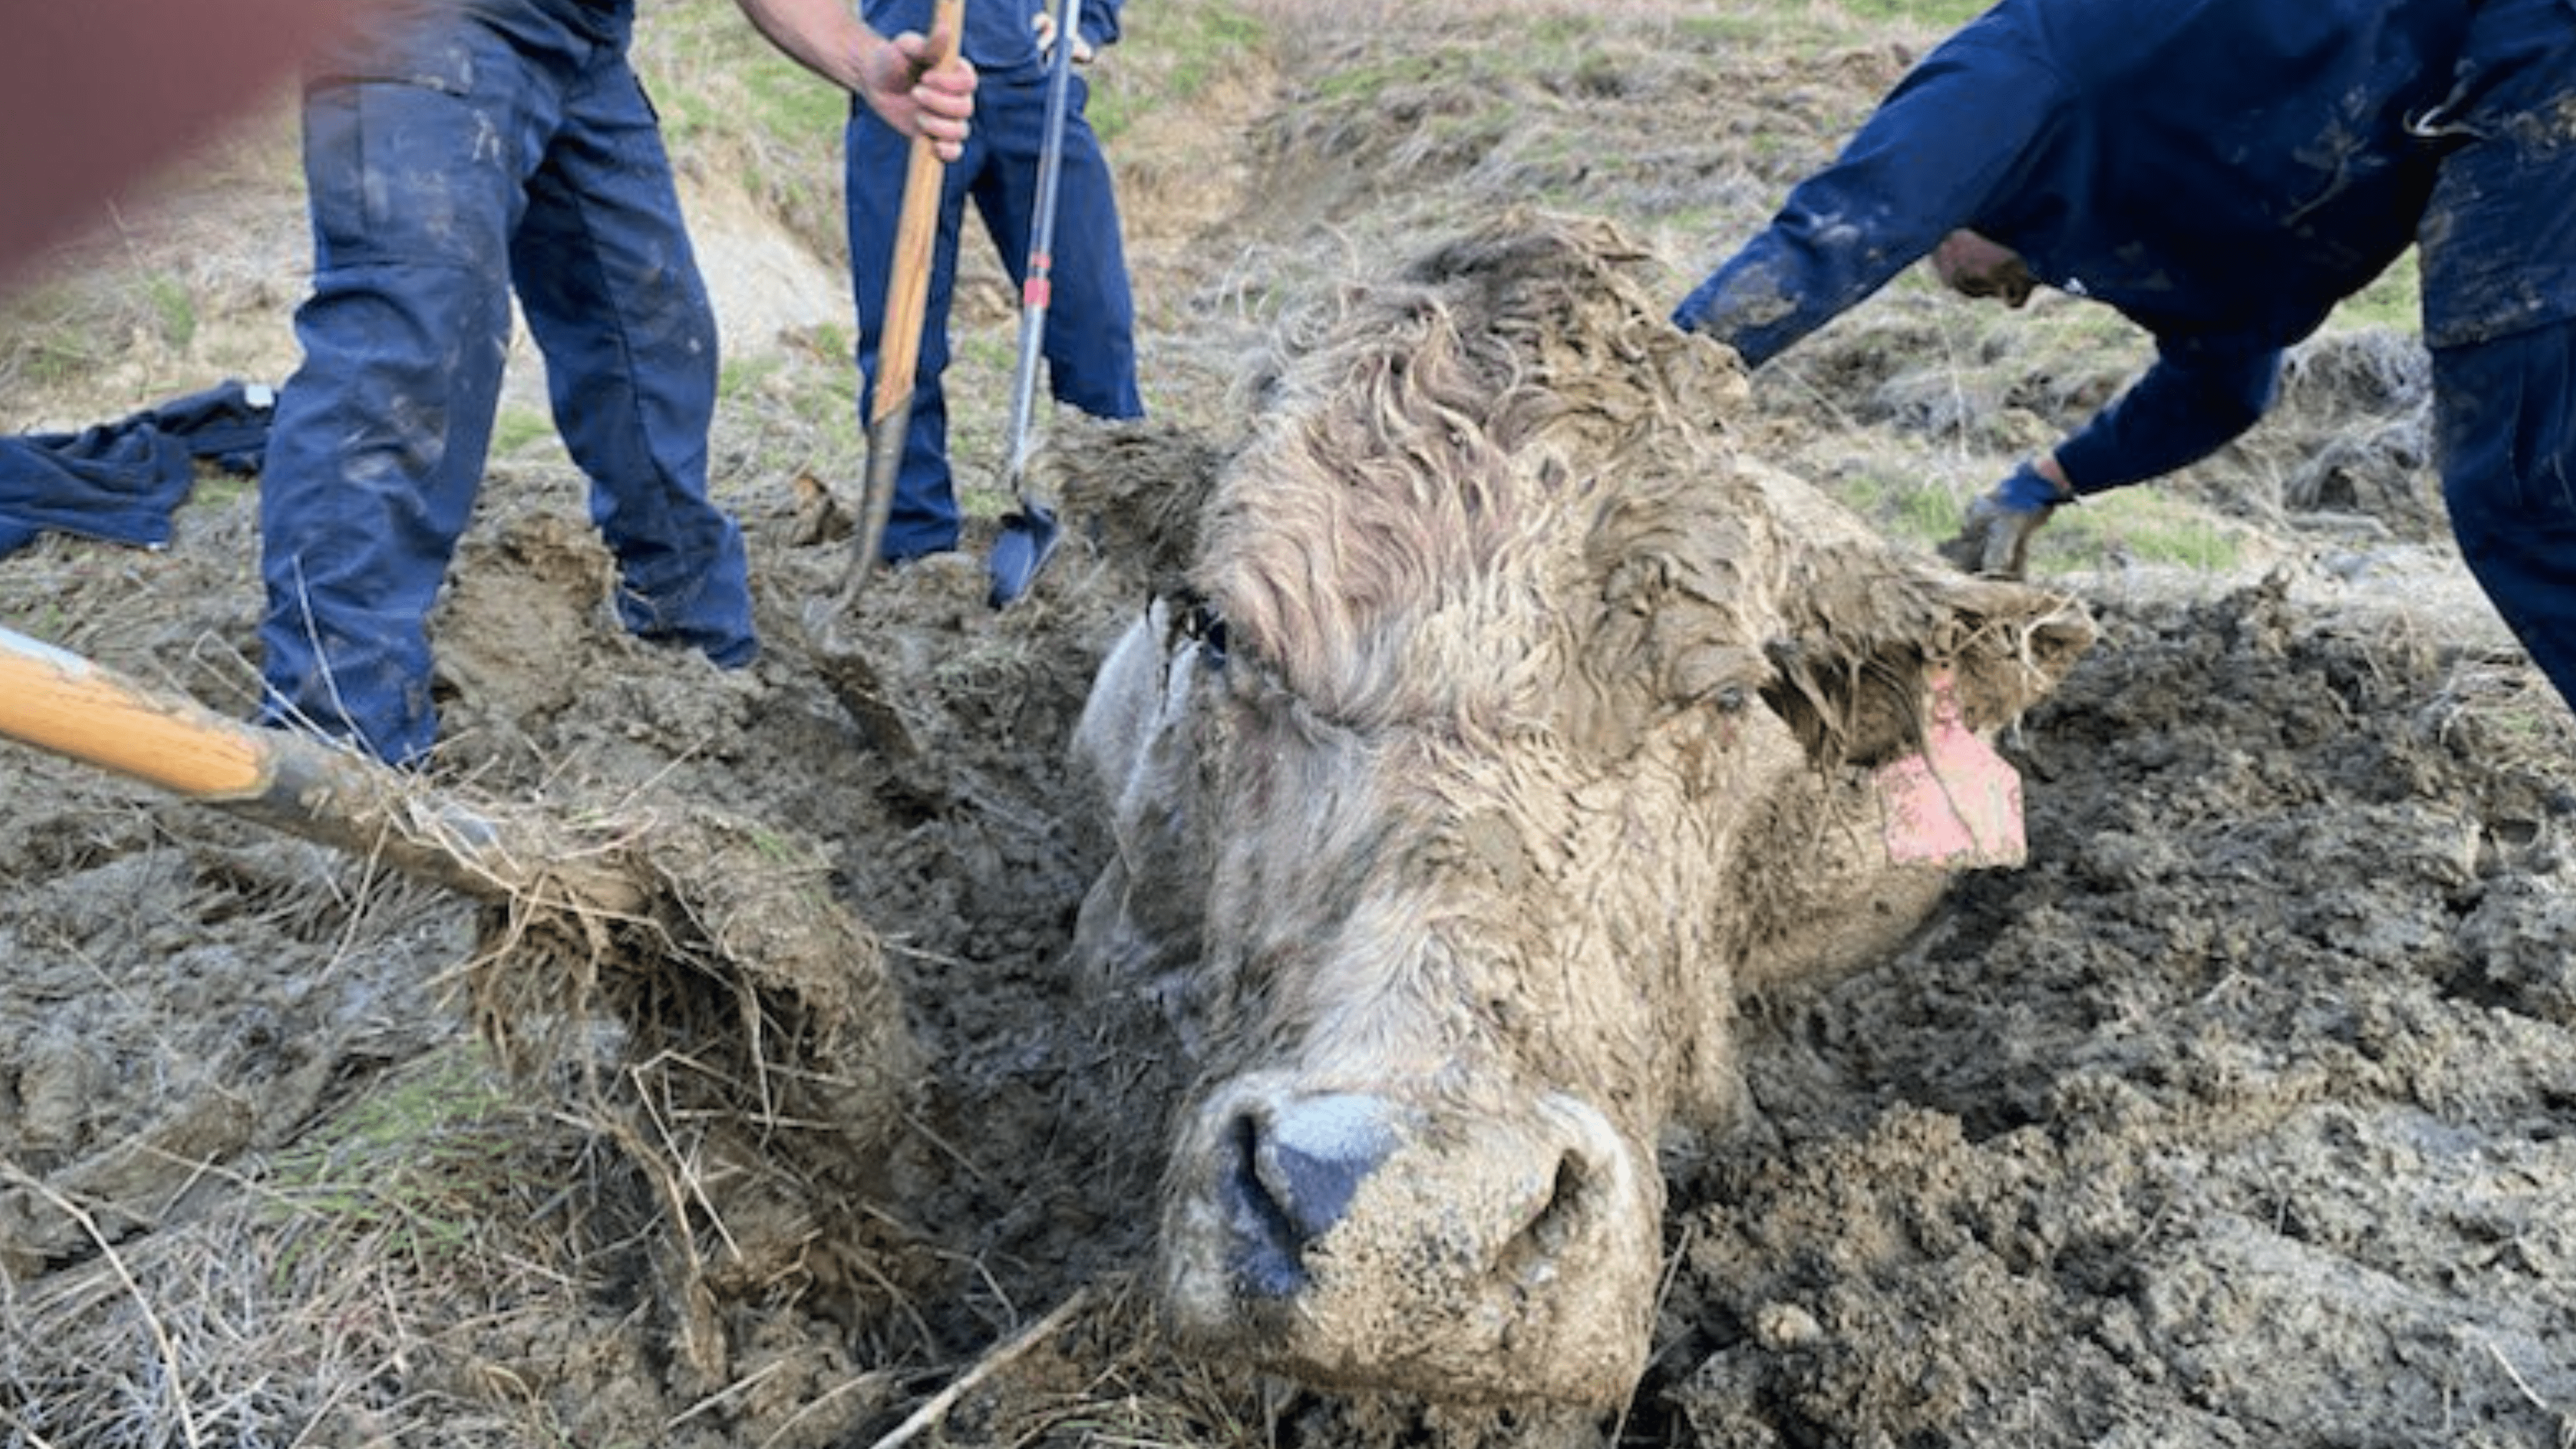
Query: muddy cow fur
{"points": [[1502, 724]]}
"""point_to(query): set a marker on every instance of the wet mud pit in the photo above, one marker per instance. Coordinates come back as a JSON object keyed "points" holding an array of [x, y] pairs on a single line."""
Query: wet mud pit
{"points": [[2237, 1117]]}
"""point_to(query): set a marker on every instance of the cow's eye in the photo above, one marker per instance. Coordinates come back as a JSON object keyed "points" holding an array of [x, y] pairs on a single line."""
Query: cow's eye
{"points": [[1204, 624]]}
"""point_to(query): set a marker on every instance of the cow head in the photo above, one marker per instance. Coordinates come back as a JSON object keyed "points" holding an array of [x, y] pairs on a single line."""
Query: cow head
{"points": [[1503, 723]]}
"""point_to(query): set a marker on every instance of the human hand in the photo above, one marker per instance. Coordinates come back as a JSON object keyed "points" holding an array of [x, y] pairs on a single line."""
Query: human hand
{"points": [[921, 86], [1994, 536], [1044, 24]]}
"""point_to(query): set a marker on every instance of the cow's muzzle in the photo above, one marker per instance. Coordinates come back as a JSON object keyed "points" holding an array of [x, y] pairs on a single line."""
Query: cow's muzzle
{"points": [[1497, 1253]]}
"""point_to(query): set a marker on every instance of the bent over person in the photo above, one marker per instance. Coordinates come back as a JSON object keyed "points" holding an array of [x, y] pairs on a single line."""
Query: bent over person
{"points": [[462, 150], [2223, 173]]}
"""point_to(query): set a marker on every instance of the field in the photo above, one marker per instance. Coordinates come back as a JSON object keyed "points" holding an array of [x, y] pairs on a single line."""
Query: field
{"points": [[2239, 1116]]}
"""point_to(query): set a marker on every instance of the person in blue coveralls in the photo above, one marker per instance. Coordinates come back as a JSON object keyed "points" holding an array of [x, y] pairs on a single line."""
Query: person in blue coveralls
{"points": [[2223, 172], [2499, 259], [457, 151], [1091, 326]]}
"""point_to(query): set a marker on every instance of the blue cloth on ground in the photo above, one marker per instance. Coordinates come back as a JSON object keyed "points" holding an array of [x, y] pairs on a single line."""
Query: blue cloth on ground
{"points": [[122, 481]]}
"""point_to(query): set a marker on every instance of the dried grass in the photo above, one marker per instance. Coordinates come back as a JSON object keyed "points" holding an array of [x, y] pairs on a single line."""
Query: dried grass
{"points": [[325, 1305]]}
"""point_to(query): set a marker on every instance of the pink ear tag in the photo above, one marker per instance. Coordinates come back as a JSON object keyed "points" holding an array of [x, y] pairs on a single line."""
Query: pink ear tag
{"points": [[1956, 804]]}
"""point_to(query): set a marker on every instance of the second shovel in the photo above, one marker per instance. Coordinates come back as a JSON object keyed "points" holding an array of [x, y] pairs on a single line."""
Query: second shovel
{"points": [[1029, 534]]}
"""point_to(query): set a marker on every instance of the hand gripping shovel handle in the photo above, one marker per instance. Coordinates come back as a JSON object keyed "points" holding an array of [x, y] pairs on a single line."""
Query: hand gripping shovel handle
{"points": [[899, 341]]}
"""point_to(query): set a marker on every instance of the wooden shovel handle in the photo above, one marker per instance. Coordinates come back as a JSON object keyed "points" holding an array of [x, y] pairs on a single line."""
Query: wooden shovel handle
{"points": [[58, 701], [916, 231], [61, 702]]}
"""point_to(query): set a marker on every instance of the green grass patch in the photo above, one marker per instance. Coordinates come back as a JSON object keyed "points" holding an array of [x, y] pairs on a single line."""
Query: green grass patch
{"points": [[58, 359], [174, 307], [1736, 29], [741, 376], [1372, 79], [517, 427], [686, 115], [48, 622], [52, 335], [829, 406], [2137, 525], [1898, 504], [836, 343], [1924, 514], [415, 1164], [1935, 14], [216, 488], [789, 101], [1196, 44], [2394, 301]]}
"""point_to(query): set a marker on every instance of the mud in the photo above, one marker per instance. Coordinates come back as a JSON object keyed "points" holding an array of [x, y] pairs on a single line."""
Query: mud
{"points": [[2237, 1116]]}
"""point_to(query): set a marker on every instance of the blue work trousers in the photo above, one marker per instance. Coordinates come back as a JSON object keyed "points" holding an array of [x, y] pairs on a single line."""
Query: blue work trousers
{"points": [[481, 150], [1090, 338], [2507, 417], [2499, 267]]}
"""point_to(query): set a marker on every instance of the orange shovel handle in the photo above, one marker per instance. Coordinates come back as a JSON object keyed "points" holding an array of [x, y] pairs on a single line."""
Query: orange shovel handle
{"points": [[60, 702], [899, 339]]}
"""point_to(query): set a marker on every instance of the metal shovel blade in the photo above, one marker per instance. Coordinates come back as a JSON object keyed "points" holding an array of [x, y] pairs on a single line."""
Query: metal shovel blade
{"points": [[1027, 540], [876, 493]]}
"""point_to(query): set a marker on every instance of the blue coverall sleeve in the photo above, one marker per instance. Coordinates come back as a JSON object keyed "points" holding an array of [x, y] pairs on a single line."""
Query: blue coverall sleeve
{"points": [[1943, 145], [1100, 22], [2198, 396]]}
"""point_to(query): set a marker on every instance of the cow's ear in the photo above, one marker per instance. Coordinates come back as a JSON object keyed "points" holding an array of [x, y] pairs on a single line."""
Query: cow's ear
{"points": [[1137, 488], [1864, 627]]}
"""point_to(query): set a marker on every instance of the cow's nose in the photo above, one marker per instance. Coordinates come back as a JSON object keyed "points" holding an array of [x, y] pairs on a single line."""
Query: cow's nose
{"points": [[1293, 1173]]}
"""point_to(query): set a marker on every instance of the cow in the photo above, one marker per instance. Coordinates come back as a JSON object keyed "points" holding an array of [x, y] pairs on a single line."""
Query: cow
{"points": [[1498, 723]]}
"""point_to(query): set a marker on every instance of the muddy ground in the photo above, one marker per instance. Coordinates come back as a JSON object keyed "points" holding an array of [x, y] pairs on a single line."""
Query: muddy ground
{"points": [[2237, 1117]]}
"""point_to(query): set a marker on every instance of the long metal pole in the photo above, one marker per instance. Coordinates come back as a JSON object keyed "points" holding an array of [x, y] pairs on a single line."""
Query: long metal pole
{"points": [[1037, 287]]}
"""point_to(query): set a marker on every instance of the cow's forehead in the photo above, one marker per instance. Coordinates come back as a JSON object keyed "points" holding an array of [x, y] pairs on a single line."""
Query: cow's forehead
{"points": [[1555, 648], [1501, 481], [1464, 427]]}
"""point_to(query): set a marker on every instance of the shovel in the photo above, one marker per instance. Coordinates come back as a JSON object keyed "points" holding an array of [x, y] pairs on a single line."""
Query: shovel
{"points": [[899, 344], [60, 702], [624, 909], [845, 669], [1029, 536]]}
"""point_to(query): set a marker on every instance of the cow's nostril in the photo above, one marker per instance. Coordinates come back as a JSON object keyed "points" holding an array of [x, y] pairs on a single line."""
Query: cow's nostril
{"points": [[1317, 1151], [1557, 1219], [1264, 1251], [1564, 1207], [1291, 1178]]}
